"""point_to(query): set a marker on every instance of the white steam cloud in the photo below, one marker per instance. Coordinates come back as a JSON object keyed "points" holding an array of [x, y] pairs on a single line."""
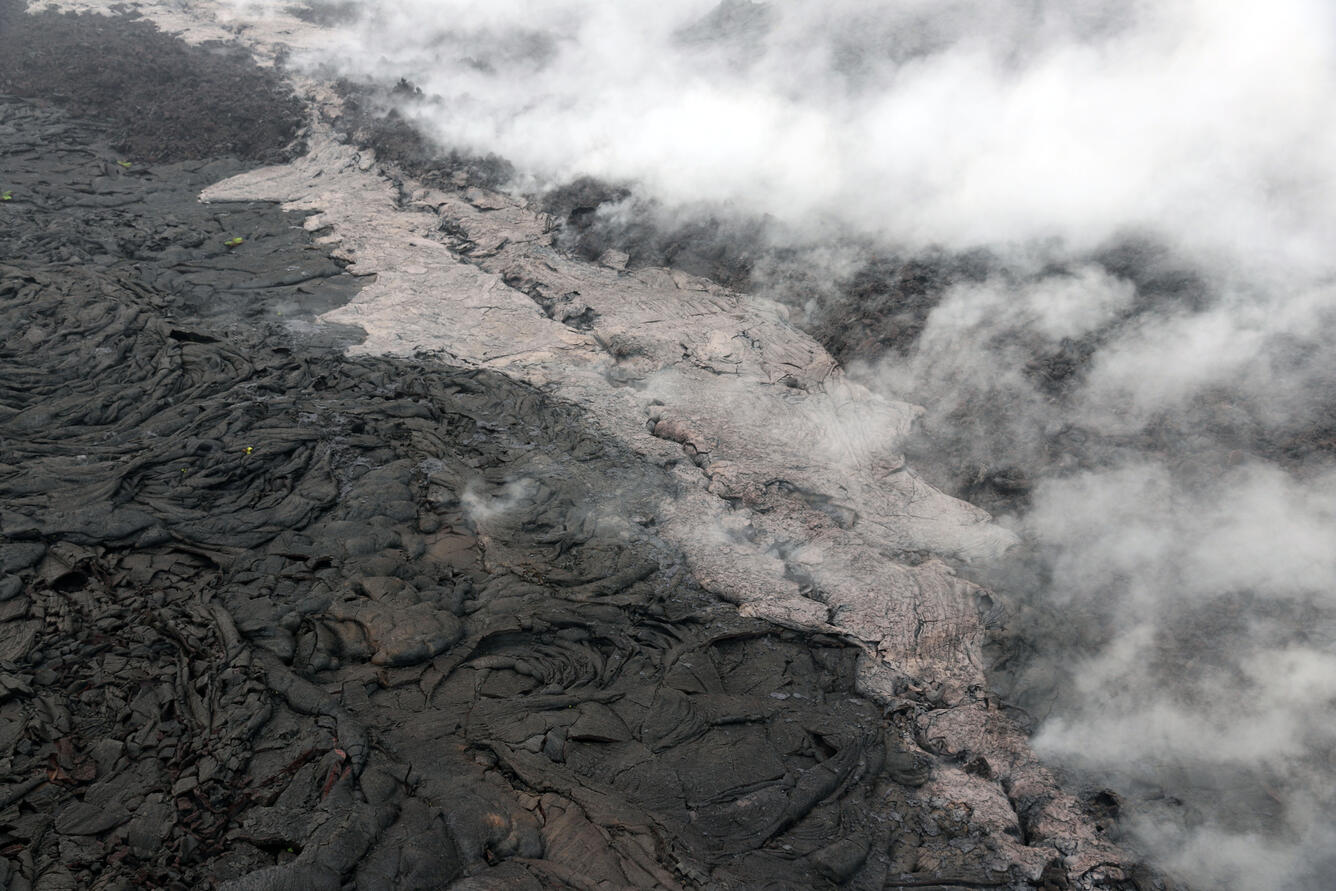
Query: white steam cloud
{"points": [[955, 123], [1217, 680], [1187, 546]]}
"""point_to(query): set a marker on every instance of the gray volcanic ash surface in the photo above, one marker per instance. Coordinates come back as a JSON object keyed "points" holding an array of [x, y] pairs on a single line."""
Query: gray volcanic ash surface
{"points": [[1092, 239], [509, 485], [277, 616], [204, 506]]}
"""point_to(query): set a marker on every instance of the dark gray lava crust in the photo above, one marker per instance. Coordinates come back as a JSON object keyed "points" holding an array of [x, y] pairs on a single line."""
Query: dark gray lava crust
{"points": [[272, 617]]}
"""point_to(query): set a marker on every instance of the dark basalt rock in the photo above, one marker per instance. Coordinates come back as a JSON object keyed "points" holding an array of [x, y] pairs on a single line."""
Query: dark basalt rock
{"points": [[276, 617], [372, 115], [161, 99], [262, 636]]}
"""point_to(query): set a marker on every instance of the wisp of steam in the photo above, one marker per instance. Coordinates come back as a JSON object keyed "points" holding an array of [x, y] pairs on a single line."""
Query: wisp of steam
{"points": [[1153, 188]]}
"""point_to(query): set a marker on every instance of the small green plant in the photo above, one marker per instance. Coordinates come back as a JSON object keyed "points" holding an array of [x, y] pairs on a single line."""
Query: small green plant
{"points": [[6, 195], [233, 242], [126, 164]]}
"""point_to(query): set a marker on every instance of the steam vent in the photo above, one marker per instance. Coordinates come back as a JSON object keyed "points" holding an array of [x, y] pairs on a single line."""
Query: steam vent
{"points": [[491, 444]]}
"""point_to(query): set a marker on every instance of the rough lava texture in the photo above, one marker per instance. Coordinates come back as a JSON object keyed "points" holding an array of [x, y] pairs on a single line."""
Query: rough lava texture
{"points": [[161, 100], [563, 575]]}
